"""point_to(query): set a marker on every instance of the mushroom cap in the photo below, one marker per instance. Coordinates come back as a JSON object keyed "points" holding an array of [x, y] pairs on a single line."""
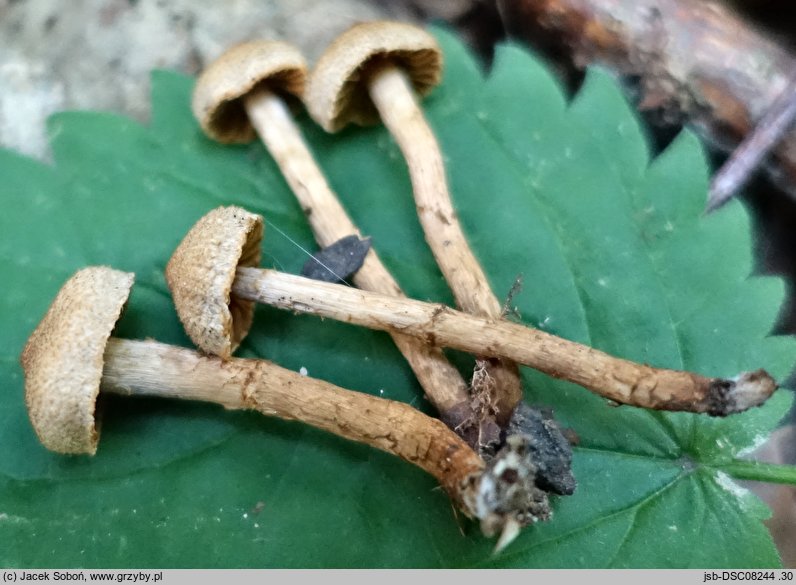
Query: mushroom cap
{"points": [[63, 358], [218, 102], [200, 274], [337, 91]]}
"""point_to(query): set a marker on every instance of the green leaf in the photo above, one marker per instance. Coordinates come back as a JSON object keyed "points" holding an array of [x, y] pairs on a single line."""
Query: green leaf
{"points": [[614, 251]]}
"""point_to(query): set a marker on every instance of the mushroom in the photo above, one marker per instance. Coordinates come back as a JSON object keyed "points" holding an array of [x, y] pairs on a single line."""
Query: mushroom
{"points": [[242, 93], [375, 70], [71, 357], [214, 281]]}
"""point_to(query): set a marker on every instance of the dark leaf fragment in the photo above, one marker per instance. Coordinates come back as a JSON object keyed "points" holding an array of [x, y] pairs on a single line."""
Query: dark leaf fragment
{"points": [[338, 262]]}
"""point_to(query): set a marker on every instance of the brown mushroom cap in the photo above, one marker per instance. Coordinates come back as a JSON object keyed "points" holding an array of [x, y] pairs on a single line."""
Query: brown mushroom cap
{"points": [[218, 96], [63, 358], [337, 92], [200, 274]]}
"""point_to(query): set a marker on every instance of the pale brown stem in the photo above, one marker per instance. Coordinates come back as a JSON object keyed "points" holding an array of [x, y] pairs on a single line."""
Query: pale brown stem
{"points": [[274, 123], [394, 98], [502, 495], [155, 369], [617, 379]]}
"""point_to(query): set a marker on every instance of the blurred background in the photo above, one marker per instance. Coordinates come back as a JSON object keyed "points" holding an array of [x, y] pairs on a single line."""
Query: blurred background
{"points": [[715, 67]]}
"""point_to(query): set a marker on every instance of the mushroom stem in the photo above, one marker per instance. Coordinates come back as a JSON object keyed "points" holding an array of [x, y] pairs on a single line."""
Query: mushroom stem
{"points": [[155, 369], [614, 378], [274, 124], [392, 94]]}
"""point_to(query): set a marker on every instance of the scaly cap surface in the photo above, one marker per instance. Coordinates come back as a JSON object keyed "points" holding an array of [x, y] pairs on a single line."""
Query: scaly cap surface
{"points": [[200, 274], [337, 92], [218, 96], [63, 358]]}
